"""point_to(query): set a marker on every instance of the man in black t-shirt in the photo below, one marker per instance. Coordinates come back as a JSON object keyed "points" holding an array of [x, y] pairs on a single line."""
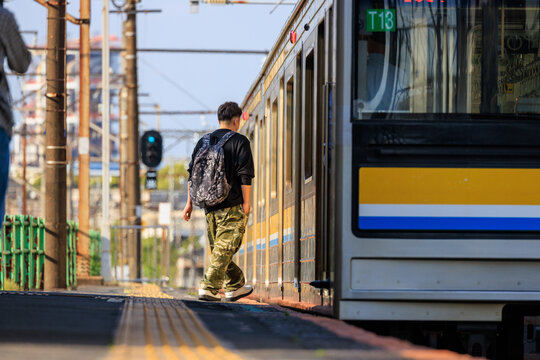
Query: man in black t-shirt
{"points": [[227, 220]]}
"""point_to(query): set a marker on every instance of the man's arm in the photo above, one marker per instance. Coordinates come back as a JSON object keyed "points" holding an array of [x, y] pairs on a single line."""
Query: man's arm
{"points": [[186, 214], [246, 189], [246, 172], [19, 58]]}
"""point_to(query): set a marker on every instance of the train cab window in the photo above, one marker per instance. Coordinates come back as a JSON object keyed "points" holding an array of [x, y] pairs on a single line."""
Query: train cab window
{"points": [[289, 134], [429, 57], [274, 150], [308, 113]]}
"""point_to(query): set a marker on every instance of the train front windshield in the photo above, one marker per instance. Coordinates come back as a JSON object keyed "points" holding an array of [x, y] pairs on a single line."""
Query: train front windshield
{"points": [[446, 56]]}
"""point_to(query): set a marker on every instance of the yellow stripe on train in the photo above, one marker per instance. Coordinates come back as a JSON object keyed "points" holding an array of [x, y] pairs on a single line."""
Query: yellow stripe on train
{"points": [[449, 186]]}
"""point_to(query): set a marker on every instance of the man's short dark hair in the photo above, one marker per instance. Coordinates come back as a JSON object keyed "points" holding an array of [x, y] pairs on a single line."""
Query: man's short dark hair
{"points": [[228, 110], [1, 2]]}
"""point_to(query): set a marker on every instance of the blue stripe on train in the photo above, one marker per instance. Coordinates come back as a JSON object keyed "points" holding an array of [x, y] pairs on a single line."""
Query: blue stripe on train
{"points": [[272, 243], [448, 223], [287, 238]]}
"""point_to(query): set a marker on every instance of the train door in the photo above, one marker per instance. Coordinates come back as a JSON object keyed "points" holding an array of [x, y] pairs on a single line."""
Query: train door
{"points": [[291, 185], [280, 168], [260, 244], [251, 272], [273, 252], [330, 168], [314, 239], [266, 196], [308, 188], [251, 224], [324, 154]]}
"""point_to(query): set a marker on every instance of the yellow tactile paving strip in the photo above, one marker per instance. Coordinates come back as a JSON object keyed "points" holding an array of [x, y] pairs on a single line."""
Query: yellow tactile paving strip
{"points": [[145, 291], [154, 326]]}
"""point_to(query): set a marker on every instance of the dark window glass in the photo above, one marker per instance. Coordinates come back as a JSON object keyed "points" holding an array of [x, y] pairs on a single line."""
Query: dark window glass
{"points": [[274, 149], [252, 204], [289, 133], [308, 127], [262, 166]]}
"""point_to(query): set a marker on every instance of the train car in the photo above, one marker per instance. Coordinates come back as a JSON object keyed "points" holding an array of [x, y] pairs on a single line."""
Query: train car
{"points": [[397, 155]]}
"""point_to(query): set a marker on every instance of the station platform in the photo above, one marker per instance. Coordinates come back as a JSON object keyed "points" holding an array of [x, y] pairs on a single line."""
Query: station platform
{"points": [[147, 322]]}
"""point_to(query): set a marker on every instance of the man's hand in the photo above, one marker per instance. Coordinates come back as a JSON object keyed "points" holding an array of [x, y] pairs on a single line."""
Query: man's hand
{"points": [[186, 214], [245, 207]]}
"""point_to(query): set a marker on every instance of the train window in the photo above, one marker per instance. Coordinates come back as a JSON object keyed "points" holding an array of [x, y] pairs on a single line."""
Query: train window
{"points": [[253, 146], [262, 165], [308, 129], [468, 56], [257, 160], [289, 133], [274, 150]]}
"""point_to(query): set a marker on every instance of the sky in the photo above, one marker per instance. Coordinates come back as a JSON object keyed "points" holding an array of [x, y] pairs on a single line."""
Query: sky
{"points": [[211, 79]]}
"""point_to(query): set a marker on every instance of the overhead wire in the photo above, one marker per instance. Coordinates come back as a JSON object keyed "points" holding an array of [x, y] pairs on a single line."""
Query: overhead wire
{"points": [[182, 126], [175, 84]]}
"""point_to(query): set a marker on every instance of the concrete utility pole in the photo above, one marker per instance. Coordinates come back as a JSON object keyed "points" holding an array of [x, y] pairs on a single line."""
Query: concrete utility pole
{"points": [[83, 246], [133, 181], [24, 192], [124, 216], [172, 171], [124, 136], [55, 150], [105, 150]]}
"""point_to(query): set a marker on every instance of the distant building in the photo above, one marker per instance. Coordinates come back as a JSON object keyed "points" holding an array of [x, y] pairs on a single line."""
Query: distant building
{"points": [[32, 108], [30, 104]]}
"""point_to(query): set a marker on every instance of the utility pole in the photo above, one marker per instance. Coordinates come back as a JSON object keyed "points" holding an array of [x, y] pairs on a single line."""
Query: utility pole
{"points": [[124, 216], [83, 245], [158, 117], [172, 171], [105, 150], [133, 181], [123, 164], [24, 208], [69, 178], [55, 150]]}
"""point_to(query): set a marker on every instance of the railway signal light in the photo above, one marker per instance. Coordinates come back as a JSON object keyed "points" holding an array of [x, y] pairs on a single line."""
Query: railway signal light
{"points": [[151, 148]]}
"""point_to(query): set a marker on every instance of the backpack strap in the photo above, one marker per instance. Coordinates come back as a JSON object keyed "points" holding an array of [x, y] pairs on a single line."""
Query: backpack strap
{"points": [[225, 138], [206, 140]]}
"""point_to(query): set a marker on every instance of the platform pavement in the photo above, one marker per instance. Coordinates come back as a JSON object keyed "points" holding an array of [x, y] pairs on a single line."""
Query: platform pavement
{"points": [[146, 322]]}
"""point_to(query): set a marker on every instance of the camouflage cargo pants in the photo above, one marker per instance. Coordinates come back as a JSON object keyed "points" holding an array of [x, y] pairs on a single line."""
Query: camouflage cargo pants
{"points": [[226, 228]]}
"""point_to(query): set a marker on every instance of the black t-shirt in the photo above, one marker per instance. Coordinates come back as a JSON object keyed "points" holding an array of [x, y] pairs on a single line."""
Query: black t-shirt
{"points": [[239, 168]]}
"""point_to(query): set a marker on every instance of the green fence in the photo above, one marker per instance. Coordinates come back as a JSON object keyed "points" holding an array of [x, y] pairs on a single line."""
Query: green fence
{"points": [[95, 253], [71, 263], [22, 250]]}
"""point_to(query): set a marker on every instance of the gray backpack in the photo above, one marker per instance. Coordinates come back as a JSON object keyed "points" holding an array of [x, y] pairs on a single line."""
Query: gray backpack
{"points": [[208, 185]]}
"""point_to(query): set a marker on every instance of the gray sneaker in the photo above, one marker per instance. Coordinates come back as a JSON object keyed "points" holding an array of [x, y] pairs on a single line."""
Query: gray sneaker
{"points": [[207, 295], [238, 294]]}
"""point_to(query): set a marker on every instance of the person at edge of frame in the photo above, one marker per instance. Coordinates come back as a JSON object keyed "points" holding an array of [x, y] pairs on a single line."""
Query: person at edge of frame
{"points": [[13, 48], [226, 222]]}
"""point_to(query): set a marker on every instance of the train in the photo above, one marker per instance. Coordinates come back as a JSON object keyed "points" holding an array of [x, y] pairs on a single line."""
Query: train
{"points": [[397, 154]]}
